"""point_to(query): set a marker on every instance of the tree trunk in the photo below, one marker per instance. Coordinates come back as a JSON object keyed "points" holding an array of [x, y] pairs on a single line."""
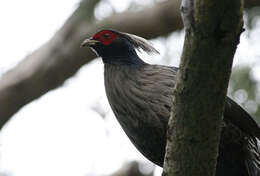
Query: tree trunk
{"points": [[212, 31]]}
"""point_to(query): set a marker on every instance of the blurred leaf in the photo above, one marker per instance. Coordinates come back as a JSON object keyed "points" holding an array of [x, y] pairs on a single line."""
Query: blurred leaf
{"points": [[243, 86]]}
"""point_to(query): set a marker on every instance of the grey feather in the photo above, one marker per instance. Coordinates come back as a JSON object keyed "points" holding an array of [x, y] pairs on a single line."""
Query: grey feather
{"points": [[142, 105], [140, 96], [141, 99], [140, 43]]}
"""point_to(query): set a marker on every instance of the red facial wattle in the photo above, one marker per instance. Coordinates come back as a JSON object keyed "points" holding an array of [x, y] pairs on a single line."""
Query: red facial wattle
{"points": [[106, 37]]}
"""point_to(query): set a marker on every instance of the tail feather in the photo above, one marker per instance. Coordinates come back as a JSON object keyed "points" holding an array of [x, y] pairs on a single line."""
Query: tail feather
{"points": [[252, 161]]}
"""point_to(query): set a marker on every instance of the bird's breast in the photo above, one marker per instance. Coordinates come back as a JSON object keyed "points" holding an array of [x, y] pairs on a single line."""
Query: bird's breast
{"points": [[140, 98]]}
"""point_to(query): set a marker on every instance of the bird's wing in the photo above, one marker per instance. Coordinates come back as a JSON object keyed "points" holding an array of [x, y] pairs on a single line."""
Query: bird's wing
{"points": [[252, 161], [239, 117]]}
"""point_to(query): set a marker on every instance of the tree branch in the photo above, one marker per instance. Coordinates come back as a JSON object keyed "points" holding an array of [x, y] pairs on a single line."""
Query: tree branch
{"points": [[251, 3], [60, 58], [132, 169], [212, 31]]}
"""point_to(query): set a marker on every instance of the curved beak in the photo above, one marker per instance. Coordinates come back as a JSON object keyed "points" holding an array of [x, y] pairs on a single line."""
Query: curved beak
{"points": [[89, 42]]}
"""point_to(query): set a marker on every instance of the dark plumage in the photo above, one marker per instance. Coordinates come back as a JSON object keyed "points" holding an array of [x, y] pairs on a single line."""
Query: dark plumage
{"points": [[140, 97]]}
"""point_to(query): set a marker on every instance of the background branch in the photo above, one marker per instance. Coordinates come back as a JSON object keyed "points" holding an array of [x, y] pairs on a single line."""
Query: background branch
{"points": [[132, 169]]}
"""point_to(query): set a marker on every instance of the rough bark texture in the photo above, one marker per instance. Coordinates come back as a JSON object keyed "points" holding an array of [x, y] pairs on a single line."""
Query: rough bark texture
{"points": [[60, 58], [212, 34]]}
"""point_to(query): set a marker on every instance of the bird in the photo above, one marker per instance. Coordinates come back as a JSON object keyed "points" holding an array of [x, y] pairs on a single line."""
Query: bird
{"points": [[140, 96]]}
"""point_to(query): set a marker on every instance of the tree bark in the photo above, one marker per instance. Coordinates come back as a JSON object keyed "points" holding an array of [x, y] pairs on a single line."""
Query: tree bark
{"points": [[49, 66], [212, 31]]}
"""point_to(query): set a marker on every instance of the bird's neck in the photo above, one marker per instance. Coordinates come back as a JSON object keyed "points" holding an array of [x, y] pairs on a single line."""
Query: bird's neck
{"points": [[116, 75], [123, 58]]}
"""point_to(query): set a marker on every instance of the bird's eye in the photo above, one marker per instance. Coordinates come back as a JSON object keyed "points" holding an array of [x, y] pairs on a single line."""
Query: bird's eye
{"points": [[106, 35]]}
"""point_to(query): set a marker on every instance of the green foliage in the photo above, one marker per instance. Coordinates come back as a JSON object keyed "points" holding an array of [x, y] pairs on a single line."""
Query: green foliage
{"points": [[243, 89]]}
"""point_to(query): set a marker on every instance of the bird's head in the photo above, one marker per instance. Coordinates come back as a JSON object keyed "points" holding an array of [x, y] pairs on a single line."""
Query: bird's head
{"points": [[117, 47]]}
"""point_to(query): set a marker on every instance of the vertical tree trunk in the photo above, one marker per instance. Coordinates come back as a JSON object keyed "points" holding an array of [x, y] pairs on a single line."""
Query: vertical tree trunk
{"points": [[212, 34]]}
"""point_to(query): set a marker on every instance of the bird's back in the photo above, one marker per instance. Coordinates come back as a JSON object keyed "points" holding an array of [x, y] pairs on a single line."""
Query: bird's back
{"points": [[140, 97]]}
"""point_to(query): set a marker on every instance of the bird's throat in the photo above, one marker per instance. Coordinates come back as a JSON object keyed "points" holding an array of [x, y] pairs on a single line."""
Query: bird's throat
{"points": [[123, 60]]}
